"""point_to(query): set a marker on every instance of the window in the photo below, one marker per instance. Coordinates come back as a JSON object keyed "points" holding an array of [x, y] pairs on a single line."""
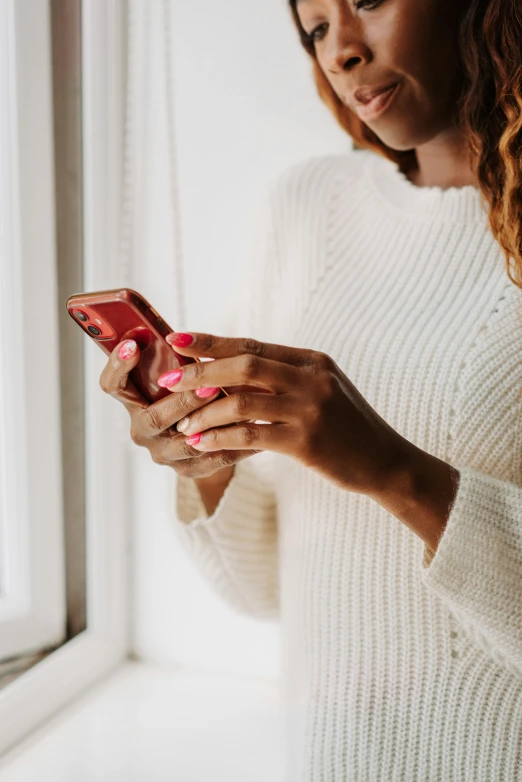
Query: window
{"points": [[32, 590], [63, 461]]}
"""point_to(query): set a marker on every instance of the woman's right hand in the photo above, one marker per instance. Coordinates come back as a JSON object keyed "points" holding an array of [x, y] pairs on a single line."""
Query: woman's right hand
{"points": [[153, 425]]}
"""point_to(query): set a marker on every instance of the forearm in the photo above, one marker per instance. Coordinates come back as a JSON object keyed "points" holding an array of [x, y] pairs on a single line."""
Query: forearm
{"points": [[212, 488], [420, 493]]}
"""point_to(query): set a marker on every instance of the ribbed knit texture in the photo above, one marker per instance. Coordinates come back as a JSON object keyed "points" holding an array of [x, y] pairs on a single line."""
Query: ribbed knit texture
{"points": [[398, 666]]}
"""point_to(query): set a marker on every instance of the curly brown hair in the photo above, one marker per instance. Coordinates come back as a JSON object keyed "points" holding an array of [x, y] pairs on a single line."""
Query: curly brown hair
{"points": [[489, 115]]}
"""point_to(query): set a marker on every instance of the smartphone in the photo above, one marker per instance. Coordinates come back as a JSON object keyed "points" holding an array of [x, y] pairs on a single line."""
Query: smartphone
{"points": [[109, 317]]}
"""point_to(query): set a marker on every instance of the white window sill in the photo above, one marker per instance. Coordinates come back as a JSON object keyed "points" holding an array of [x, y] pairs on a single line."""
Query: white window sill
{"points": [[159, 724]]}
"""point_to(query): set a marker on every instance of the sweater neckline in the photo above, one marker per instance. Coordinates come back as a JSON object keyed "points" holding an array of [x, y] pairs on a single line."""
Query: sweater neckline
{"points": [[455, 204]]}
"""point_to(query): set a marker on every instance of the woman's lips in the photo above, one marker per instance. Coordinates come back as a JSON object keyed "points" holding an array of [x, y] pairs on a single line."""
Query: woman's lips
{"points": [[377, 104]]}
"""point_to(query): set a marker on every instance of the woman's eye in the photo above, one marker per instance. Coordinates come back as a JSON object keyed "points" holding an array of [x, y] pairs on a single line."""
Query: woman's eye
{"points": [[367, 4], [312, 37], [318, 32]]}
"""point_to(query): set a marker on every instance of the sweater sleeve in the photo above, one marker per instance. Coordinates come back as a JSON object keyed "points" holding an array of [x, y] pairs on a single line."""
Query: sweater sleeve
{"points": [[477, 568], [235, 548]]}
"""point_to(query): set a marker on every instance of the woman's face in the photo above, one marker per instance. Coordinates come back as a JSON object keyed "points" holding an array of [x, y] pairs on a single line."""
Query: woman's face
{"points": [[372, 43]]}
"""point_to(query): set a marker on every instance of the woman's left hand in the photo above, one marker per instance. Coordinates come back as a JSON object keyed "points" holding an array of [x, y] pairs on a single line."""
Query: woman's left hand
{"points": [[313, 411]]}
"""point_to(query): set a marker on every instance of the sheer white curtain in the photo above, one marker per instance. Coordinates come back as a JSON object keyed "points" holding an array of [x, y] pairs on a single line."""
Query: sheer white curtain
{"points": [[216, 116]]}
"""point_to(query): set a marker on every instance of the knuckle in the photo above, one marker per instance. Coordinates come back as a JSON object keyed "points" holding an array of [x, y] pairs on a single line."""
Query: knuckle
{"points": [[106, 385], [241, 404], [185, 403], [211, 437], [221, 460], [153, 419], [314, 416], [250, 367], [103, 383], [184, 467], [250, 434], [197, 369], [135, 436], [323, 361], [328, 388], [206, 341], [253, 346], [157, 457], [186, 451], [112, 385]]}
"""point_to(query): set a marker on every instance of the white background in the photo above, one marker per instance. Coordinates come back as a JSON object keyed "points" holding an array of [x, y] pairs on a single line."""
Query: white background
{"points": [[245, 109]]}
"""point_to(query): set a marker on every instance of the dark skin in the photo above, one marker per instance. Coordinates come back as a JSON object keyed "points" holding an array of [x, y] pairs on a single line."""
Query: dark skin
{"points": [[315, 413], [411, 41]]}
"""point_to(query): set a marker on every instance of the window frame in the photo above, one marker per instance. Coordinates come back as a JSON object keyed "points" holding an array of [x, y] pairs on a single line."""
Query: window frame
{"points": [[32, 587], [61, 676]]}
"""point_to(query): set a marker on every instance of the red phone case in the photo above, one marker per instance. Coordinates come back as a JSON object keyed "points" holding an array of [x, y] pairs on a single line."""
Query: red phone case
{"points": [[109, 317]]}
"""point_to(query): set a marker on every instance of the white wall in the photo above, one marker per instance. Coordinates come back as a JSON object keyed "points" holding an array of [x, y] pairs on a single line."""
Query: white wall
{"points": [[245, 108]]}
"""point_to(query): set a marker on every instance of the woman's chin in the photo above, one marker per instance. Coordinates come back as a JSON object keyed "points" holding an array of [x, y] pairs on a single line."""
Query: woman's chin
{"points": [[396, 138], [402, 138]]}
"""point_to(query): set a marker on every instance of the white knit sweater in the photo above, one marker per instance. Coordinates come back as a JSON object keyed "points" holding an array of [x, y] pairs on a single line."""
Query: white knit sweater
{"points": [[397, 667]]}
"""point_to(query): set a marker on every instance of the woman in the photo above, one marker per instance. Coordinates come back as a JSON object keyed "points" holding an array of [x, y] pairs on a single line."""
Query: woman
{"points": [[372, 501]]}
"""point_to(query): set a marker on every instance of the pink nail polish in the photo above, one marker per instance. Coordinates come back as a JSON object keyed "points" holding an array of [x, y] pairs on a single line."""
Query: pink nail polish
{"points": [[127, 349], [204, 393], [180, 340], [169, 379], [193, 439]]}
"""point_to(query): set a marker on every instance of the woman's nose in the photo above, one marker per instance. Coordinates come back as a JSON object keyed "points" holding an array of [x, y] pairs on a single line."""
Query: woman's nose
{"points": [[344, 49]]}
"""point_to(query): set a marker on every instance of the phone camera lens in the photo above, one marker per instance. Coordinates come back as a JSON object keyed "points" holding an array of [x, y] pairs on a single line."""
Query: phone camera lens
{"points": [[93, 330], [80, 315]]}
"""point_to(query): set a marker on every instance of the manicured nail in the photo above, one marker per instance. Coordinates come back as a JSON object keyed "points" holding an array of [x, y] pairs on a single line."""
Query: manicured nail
{"points": [[204, 393], [169, 379], [180, 340], [127, 349], [193, 439], [183, 424]]}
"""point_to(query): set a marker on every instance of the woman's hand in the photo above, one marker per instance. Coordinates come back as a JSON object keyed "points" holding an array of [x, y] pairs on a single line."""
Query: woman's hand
{"points": [[312, 411], [152, 424]]}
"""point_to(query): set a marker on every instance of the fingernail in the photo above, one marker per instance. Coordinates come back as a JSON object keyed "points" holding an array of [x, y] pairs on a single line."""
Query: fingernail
{"points": [[204, 393], [127, 349], [180, 340], [169, 379], [183, 424], [193, 439]]}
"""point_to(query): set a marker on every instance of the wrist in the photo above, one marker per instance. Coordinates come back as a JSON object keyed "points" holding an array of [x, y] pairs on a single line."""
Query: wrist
{"points": [[396, 469], [223, 475], [212, 487], [419, 490]]}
